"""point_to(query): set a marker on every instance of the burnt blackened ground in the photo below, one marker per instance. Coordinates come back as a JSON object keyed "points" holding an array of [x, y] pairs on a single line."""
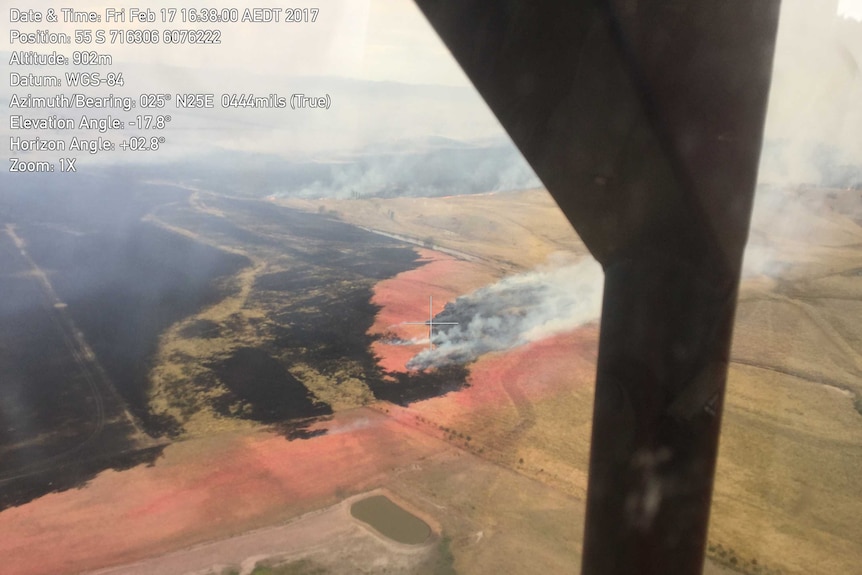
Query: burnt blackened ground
{"points": [[124, 290], [419, 385], [124, 278], [318, 304], [115, 283], [60, 422], [260, 388], [41, 387], [201, 328], [72, 473]]}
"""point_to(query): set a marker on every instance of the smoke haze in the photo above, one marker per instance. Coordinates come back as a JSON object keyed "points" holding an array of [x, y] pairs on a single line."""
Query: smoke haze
{"points": [[814, 117], [447, 167], [811, 139]]}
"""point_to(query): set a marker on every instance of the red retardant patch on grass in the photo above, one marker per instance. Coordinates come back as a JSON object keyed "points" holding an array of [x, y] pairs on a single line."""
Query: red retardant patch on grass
{"points": [[204, 489], [404, 298]]}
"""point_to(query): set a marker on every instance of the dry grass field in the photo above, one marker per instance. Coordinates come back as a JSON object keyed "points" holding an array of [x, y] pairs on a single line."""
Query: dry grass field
{"points": [[508, 230], [787, 496]]}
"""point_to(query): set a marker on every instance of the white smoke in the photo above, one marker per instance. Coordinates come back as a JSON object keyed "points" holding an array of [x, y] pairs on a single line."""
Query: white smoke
{"points": [[814, 118], [812, 147], [419, 170], [517, 310], [356, 425]]}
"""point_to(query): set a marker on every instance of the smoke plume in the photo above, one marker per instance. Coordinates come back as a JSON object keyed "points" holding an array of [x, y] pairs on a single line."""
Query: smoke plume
{"points": [[422, 168], [517, 310], [814, 119]]}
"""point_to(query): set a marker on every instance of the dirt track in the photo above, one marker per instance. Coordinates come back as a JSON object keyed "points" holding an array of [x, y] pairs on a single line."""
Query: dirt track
{"points": [[331, 536]]}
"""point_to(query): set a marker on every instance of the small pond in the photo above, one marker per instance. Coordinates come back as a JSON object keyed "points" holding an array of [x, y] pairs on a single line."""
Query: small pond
{"points": [[391, 520]]}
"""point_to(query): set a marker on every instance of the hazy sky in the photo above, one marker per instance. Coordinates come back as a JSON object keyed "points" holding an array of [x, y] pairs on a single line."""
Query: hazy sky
{"points": [[376, 40], [814, 98], [367, 39], [850, 8], [816, 91]]}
